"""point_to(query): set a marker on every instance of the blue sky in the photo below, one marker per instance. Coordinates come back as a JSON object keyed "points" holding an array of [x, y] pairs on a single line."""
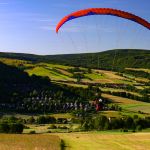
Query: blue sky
{"points": [[28, 26]]}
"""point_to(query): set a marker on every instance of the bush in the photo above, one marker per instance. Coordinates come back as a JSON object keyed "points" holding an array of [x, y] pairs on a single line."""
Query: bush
{"points": [[45, 120], [41, 120], [62, 127], [62, 144], [61, 120], [31, 120], [133, 131], [6, 127], [16, 128], [52, 127], [139, 128], [125, 130], [32, 132], [26, 127]]}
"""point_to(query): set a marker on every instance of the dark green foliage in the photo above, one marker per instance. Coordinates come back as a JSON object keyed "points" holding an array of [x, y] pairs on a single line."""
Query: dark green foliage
{"points": [[15, 84], [4, 127], [129, 123], [116, 123], [61, 120], [145, 92], [78, 76], [32, 132], [8, 127], [90, 93], [45, 120], [100, 122], [139, 128], [31, 120], [138, 73], [85, 126], [75, 70], [125, 124], [62, 127], [16, 128], [62, 145], [52, 127]]}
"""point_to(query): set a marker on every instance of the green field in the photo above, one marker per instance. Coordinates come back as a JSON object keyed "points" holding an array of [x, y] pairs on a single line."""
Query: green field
{"points": [[58, 72], [106, 141], [16, 62], [129, 104], [44, 128], [145, 108]]}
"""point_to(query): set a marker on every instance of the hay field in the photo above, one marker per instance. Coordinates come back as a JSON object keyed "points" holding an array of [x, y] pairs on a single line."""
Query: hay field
{"points": [[139, 69], [121, 100], [29, 142]]}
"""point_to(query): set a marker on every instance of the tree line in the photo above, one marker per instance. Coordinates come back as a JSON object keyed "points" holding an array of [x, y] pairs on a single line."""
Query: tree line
{"points": [[124, 124], [11, 125]]}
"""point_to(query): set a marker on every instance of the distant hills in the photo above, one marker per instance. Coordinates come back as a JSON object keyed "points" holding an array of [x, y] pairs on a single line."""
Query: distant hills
{"points": [[109, 60]]}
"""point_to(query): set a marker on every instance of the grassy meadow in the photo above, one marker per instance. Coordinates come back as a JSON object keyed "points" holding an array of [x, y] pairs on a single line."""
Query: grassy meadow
{"points": [[106, 141], [129, 104]]}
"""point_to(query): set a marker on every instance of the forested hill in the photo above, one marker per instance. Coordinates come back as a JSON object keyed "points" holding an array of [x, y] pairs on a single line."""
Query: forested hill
{"points": [[15, 83], [23, 93], [116, 59]]}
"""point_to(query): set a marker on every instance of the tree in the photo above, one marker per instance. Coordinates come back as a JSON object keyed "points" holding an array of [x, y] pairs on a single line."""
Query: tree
{"points": [[89, 70], [85, 126], [31, 120], [100, 122], [129, 122], [16, 128], [4, 127], [41, 120]]}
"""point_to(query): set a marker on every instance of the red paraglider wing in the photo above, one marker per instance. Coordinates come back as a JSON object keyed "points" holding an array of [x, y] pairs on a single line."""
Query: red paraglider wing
{"points": [[103, 11]]}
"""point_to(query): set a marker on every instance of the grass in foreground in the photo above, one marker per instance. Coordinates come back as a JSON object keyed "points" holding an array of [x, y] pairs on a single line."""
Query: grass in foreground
{"points": [[95, 141], [29, 142]]}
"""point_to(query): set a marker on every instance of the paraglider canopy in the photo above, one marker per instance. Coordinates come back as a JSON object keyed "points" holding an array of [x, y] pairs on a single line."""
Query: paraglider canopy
{"points": [[103, 11]]}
